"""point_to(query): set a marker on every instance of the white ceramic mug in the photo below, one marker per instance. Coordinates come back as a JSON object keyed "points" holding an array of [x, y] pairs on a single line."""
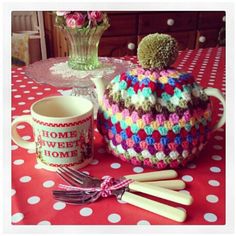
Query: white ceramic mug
{"points": [[63, 131]]}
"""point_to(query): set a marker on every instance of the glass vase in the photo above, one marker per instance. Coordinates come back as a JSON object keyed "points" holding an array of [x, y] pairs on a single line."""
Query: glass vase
{"points": [[83, 47]]}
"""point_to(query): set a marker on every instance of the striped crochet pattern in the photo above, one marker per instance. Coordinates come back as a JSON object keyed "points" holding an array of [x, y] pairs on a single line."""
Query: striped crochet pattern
{"points": [[155, 118]]}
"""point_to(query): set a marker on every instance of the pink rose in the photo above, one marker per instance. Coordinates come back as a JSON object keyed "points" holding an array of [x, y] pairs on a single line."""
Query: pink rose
{"points": [[62, 13], [75, 20], [95, 17]]}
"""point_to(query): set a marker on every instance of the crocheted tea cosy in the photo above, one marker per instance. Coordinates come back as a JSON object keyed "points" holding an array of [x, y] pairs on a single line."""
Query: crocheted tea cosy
{"points": [[152, 117]]}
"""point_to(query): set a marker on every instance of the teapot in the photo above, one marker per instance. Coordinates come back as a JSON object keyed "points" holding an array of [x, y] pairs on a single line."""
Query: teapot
{"points": [[155, 115]]}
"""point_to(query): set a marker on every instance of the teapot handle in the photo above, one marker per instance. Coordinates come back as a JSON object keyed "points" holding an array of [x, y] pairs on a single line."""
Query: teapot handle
{"points": [[217, 94]]}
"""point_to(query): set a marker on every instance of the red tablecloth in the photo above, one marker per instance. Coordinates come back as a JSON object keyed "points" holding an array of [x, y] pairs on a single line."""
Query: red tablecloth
{"points": [[32, 201]]}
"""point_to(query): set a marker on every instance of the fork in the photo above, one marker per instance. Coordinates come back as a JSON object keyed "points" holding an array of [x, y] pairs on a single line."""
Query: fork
{"points": [[74, 178], [81, 179]]}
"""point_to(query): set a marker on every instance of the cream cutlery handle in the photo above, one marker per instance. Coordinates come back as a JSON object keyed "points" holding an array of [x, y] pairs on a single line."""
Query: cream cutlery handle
{"points": [[170, 184], [156, 175], [155, 207], [163, 193]]}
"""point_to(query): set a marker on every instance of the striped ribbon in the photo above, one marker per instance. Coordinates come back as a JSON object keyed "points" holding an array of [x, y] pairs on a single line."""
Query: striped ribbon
{"points": [[106, 187]]}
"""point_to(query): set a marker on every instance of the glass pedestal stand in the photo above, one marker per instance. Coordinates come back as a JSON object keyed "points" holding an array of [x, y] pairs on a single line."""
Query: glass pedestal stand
{"points": [[56, 72]]}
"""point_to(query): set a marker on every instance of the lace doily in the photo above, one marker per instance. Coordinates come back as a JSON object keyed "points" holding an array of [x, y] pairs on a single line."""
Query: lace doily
{"points": [[55, 71]]}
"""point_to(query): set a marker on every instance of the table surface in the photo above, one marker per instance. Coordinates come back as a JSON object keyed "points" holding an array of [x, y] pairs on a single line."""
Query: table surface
{"points": [[32, 201]]}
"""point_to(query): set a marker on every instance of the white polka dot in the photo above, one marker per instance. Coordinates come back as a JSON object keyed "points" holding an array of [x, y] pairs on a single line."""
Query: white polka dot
{"points": [[31, 98], [216, 158], [34, 87], [38, 166], [39, 93], [187, 178], [22, 72], [48, 184], [17, 96], [19, 68], [26, 91], [14, 147], [120, 201], [143, 222], [115, 165], [31, 151], [212, 198], [217, 147], [214, 183], [138, 169], [15, 76], [18, 162], [17, 217], [191, 166], [13, 192], [94, 162], [101, 150], [21, 103], [25, 179], [59, 206], [26, 137], [22, 86], [218, 138], [44, 222], [215, 169], [210, 217], [96, 130], [18, 80], [30, 82], [47, 89], [114, 218], [20, 127], [13, 108], [86, 211], [14, 90], [33, 200]]}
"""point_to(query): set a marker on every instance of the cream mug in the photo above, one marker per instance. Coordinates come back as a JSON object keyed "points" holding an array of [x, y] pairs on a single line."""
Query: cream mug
{"points": [[63, 131]]}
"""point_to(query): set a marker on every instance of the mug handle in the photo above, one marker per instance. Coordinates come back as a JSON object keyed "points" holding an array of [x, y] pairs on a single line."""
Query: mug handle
{"points": [[15, 135], [217, 94]]}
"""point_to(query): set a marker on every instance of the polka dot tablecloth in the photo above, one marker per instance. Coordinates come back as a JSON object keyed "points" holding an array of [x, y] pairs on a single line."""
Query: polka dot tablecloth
{"points": [[32, 201]]}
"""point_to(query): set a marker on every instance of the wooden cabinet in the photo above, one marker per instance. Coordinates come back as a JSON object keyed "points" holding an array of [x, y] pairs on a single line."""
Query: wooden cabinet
{"points": [[210, 26], [192, 29], [167, 22]]}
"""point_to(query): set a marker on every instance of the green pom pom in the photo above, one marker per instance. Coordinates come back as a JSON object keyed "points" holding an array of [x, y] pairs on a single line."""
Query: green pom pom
{"points": [[157, 51]]}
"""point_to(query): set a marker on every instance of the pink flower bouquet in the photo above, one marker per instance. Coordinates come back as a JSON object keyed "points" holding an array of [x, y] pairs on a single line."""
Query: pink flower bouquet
{"points": [[80, 20]]}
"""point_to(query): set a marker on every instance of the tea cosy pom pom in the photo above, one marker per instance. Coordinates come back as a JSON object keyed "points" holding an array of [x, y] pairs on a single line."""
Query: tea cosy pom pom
{"points": [[157, 51]]}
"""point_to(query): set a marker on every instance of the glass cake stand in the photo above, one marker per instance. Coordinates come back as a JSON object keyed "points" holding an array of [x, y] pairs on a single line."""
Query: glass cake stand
{"points": [[56, 72]]}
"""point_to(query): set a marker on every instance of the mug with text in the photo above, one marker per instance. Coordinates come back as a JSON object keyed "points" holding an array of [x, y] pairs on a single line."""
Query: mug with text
{"points": [[63, 131]]}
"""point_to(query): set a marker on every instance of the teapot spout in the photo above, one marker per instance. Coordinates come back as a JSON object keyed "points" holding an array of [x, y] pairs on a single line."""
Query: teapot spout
{"points": [[100, 87]]}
